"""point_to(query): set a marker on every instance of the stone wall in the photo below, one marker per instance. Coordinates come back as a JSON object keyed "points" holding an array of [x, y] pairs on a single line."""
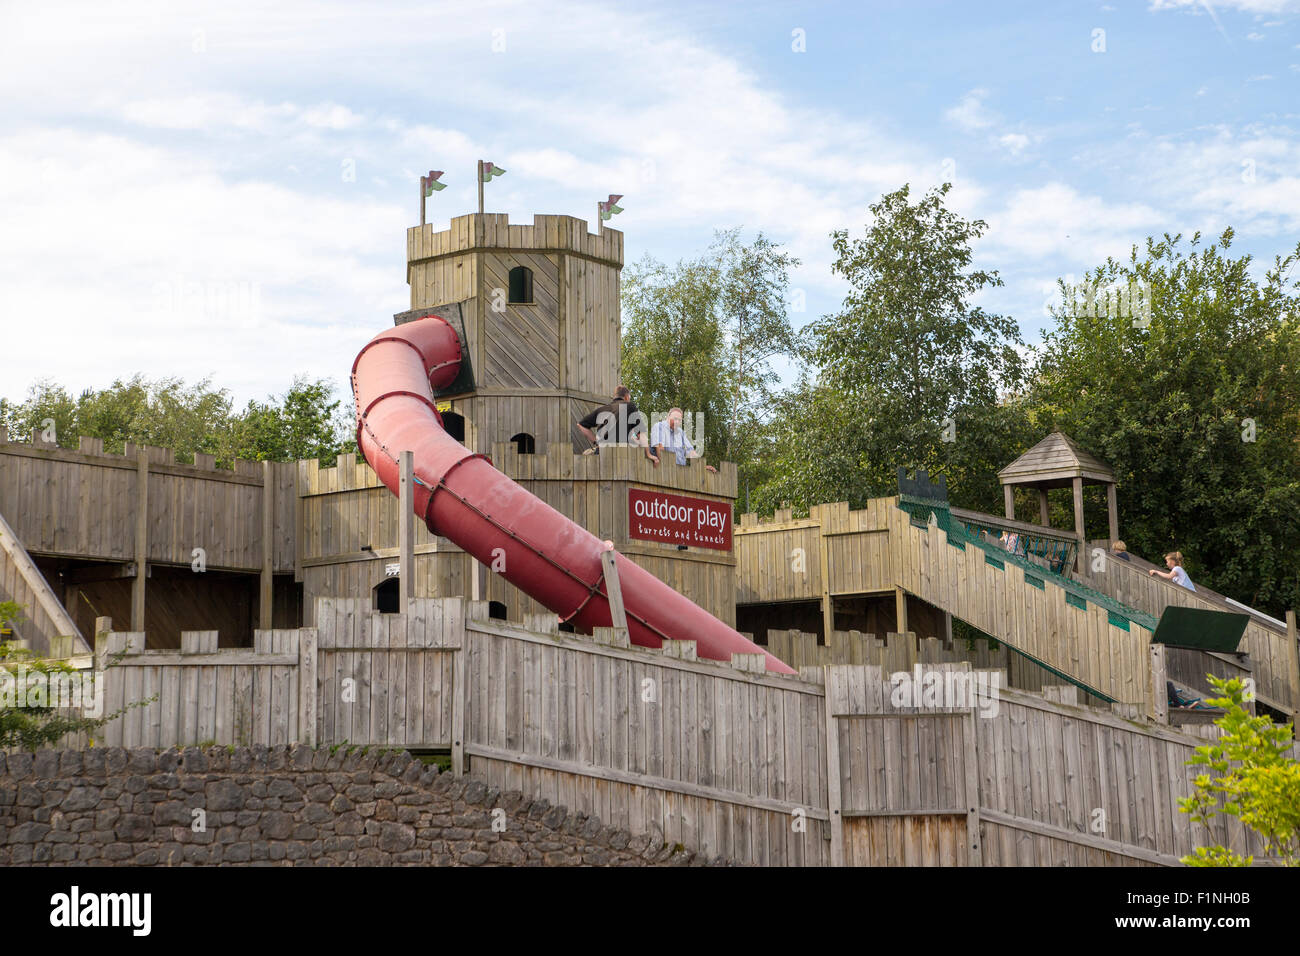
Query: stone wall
{"points": [[287, 806]]}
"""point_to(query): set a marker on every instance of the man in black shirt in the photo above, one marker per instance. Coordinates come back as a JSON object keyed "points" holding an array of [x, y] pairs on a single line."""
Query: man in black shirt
{"points": [[618, 423]]}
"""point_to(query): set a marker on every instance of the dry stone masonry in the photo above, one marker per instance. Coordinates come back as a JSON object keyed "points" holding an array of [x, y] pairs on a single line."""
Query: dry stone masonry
{"points": [[288, 806]]}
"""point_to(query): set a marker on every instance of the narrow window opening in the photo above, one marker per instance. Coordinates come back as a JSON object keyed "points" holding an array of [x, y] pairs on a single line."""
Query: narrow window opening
{"points": [[386, 596], [525, 444], [521, 285], [454, 425], [496, 610]]}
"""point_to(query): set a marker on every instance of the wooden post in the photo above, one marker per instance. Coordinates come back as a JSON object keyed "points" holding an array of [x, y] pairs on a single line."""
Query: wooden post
{"points": [[422, 187], [1293, 649], [828, 601], [974, 855], [1078, 524], [1112, 511], [406, 530], [141, 538], [307, 689], [609, 563], [834, 804], [480, 187], [458, 706], [900, 610], [1159, 694], [600, 222], [266, 592], [1044, 512], [1009, 499]]}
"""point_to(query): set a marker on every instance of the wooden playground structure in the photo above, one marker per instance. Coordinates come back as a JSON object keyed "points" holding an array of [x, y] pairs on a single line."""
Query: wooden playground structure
{"points": [[243, 597]]}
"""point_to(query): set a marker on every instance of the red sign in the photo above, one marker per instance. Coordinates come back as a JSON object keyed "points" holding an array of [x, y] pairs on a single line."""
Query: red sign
{"points": [[676, 519]]}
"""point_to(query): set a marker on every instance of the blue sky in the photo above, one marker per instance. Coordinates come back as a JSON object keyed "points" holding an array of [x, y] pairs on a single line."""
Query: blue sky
{"points": [[223, 188]]}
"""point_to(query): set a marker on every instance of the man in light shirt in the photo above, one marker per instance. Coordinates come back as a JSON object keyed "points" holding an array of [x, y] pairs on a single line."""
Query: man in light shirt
{"points": [[668, 435]]}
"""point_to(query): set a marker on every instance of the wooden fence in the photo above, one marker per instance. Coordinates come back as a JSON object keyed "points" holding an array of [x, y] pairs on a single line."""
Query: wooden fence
{"points": [[825, 768]]}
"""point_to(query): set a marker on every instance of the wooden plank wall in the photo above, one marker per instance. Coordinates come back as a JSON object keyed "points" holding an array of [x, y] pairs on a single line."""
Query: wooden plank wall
{"points": [[521, 343], [1057, 785], [901, 652], [81, 504], [202, 694], [782, 560], [705, 755], [722, 759], [1275, 658], [387, 679]]}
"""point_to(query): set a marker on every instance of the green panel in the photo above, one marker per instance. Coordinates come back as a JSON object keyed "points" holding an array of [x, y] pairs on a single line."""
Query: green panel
{"points": [[1205, 630], [989, 559], [1117, 621], [1035, 582], [1075, 601]]}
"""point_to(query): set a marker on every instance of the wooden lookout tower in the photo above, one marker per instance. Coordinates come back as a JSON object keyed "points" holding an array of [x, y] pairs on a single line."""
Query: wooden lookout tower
{"points": [[537, 307], [1058, 462]]}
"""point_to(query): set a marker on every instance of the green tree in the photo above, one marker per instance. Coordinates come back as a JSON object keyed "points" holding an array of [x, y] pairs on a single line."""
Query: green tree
{"points": [[1189, 386], [908, 372], [305, 422], [702, 335], [27, 719], [1251, 778]]}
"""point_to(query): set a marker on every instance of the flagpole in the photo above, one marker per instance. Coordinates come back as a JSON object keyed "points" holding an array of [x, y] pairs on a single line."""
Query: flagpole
{"points": [[422, 192], [480, 187], [600, 220]]}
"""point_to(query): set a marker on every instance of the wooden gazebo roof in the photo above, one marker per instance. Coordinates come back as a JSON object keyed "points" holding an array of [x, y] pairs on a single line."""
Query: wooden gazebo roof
{"points": [[1054, 463]]}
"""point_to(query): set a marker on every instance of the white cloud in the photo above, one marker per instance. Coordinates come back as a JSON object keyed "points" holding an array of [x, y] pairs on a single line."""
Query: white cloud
{"points": [[1015, 142], [970, 112]]}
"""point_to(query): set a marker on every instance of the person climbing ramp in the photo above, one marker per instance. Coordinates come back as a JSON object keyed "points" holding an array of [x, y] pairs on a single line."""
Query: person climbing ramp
{"points": [[1174, 562]]}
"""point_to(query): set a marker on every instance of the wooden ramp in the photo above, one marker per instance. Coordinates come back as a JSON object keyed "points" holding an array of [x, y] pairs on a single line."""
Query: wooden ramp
{"points": [[1033, 611], [21, 581]]}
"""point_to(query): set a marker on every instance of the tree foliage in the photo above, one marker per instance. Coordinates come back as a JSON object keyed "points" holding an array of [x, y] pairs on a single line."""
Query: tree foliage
{"points": [[27, 718], [1196, 406], [305, 422], [702, 335], [909, 372], [1250, 777]]}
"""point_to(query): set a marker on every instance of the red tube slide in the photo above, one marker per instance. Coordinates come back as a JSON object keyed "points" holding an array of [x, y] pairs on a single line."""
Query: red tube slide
{"points": [[460, 496]]}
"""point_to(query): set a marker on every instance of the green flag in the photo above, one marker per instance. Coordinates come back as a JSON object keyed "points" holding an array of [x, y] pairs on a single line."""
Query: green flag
{"points": [[431, 184], [610, 207], [490, 170]]}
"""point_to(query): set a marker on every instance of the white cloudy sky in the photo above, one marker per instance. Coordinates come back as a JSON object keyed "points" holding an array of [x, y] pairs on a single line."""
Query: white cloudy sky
{"points": [[222, 189]]}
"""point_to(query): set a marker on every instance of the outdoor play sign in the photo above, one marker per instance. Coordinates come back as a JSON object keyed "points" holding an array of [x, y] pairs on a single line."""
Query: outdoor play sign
{"points": [[677, 519]]}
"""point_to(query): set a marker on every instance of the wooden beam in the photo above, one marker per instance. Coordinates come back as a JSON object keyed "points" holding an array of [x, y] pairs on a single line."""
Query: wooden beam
{"points": [[900, 610], [828, 602], [1078, 524], [609, 563], [73, 577], [265, 592], [1044, 512], [406, 530], [1159, 694], [1009, 500], [141, 538], [1112, 512]]}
